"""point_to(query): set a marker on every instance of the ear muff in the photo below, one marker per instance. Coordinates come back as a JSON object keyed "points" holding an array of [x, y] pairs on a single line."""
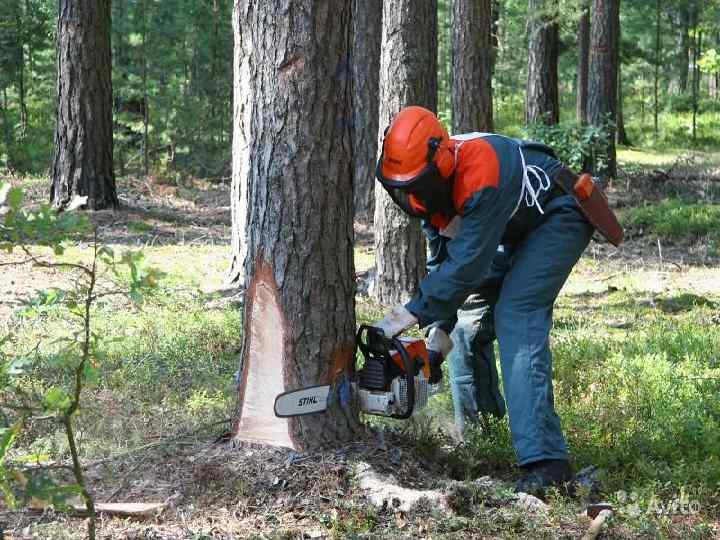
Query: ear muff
{"points": [[441, 156], [445, 161]]}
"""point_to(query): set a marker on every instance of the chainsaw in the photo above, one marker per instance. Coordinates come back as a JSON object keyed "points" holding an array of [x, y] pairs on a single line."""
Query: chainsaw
{"points": [[393, 380]]}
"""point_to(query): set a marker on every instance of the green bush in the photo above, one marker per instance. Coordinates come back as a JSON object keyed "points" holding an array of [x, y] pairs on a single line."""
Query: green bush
{"points": [[575, 144]]}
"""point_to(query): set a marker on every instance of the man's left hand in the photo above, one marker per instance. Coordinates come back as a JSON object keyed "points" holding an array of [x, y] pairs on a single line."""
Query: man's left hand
{"points": [[397, 321]]}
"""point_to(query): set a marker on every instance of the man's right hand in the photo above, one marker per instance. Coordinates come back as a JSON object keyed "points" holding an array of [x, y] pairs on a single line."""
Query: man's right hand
{"points": [[439, 345], [398, 320]]}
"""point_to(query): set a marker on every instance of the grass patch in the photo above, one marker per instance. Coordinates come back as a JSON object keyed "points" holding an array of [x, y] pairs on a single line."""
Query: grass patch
{"points": [[139, 227], [165, 369], [677, 220]]}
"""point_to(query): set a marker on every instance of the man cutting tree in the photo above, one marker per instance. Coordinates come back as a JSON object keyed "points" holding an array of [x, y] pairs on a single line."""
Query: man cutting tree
{"points": [[505, 223]]}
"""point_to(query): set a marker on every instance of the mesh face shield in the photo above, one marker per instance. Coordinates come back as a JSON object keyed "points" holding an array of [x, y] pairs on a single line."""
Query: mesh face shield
{"points": [[426, 194], [410, 195]]}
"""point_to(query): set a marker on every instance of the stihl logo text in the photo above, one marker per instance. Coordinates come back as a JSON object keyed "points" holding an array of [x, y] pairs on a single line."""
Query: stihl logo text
{"points": [[310, 400]]}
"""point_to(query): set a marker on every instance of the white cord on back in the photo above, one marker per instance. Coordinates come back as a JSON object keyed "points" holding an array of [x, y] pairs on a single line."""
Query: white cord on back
{"points": [[528, 192]]}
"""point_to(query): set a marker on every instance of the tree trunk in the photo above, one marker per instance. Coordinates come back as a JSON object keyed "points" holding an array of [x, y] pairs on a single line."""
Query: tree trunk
{"points": [[697, 50], [541, 97], [7, 132], [121, 72], [242, 107], [146, 118], [365, 64], [444, 58], [21, 75], [583, 61], [472, 66], [408, 76], [621, 136], [83, 162], [11, 55], [681, 22], [656, 80], [495, 32], [295, 169], [603, 75]]}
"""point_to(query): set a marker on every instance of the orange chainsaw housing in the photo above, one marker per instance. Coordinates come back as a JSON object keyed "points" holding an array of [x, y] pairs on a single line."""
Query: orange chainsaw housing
{"points": [[416, 348]]}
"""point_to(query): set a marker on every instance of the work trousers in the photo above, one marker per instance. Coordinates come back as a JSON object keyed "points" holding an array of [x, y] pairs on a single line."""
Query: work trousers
{"points": [[515, 304]]}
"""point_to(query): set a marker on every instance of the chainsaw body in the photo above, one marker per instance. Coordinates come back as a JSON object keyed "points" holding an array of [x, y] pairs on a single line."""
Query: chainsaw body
{"points": [[393, 380]]}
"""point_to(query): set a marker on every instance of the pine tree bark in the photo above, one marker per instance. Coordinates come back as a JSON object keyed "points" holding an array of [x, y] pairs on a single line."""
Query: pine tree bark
{"points": [[541, 97], [472, 66], [83, 161], [603, 75], [365, 63], [242, 108], [292, 158], [583, 62], [408, 76]]}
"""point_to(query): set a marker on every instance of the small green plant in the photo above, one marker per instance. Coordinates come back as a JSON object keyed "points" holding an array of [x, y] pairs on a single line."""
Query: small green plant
{"points": [[39, 237]]}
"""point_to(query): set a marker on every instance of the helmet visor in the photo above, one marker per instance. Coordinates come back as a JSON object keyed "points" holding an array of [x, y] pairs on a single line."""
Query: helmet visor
{"points": [[419, 197]]}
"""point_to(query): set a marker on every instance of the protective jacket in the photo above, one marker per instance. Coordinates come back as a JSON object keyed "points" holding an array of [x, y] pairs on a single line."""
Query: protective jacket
{"points": [[499, 189]]}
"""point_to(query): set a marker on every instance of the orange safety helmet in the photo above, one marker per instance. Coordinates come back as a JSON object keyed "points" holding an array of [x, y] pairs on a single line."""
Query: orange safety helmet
{"points": [[416, 163]]}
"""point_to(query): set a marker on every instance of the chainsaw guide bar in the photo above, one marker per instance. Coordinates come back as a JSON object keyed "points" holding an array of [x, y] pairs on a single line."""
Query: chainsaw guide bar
{"points": [[310, 400]]}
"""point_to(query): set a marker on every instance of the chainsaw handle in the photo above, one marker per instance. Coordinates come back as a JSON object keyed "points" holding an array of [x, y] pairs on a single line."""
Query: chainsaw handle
{"points": [[409, 378]]}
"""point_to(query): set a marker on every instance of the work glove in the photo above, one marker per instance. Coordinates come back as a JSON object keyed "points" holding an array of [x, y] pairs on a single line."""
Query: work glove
{"points": [[395, 322], [439, 345]]}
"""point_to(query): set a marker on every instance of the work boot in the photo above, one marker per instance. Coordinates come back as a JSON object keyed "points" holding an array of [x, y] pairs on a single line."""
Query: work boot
{"points": [[541, 475]]}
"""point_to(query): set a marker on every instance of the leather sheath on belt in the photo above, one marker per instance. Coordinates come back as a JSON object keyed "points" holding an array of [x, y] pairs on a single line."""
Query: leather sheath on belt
{"points": [[592, 202]]}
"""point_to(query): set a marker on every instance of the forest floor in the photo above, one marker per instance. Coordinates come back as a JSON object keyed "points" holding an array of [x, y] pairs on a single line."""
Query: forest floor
{"points": [[637, 373]]}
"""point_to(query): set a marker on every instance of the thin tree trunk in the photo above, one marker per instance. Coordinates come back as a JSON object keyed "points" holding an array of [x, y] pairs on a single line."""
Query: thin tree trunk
{"points": [[146, 105], [472, 66], [31, 56], [621, 136], [21, 75], [365, 65], [408, 76], [603, 75], [541, 97], [681, 22], [7, 132], [697, 49], [715, 77], [121, 71], [83, 162], [495, 32], [657, 69], [583, 62], [296, 173], [444, 58]]}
